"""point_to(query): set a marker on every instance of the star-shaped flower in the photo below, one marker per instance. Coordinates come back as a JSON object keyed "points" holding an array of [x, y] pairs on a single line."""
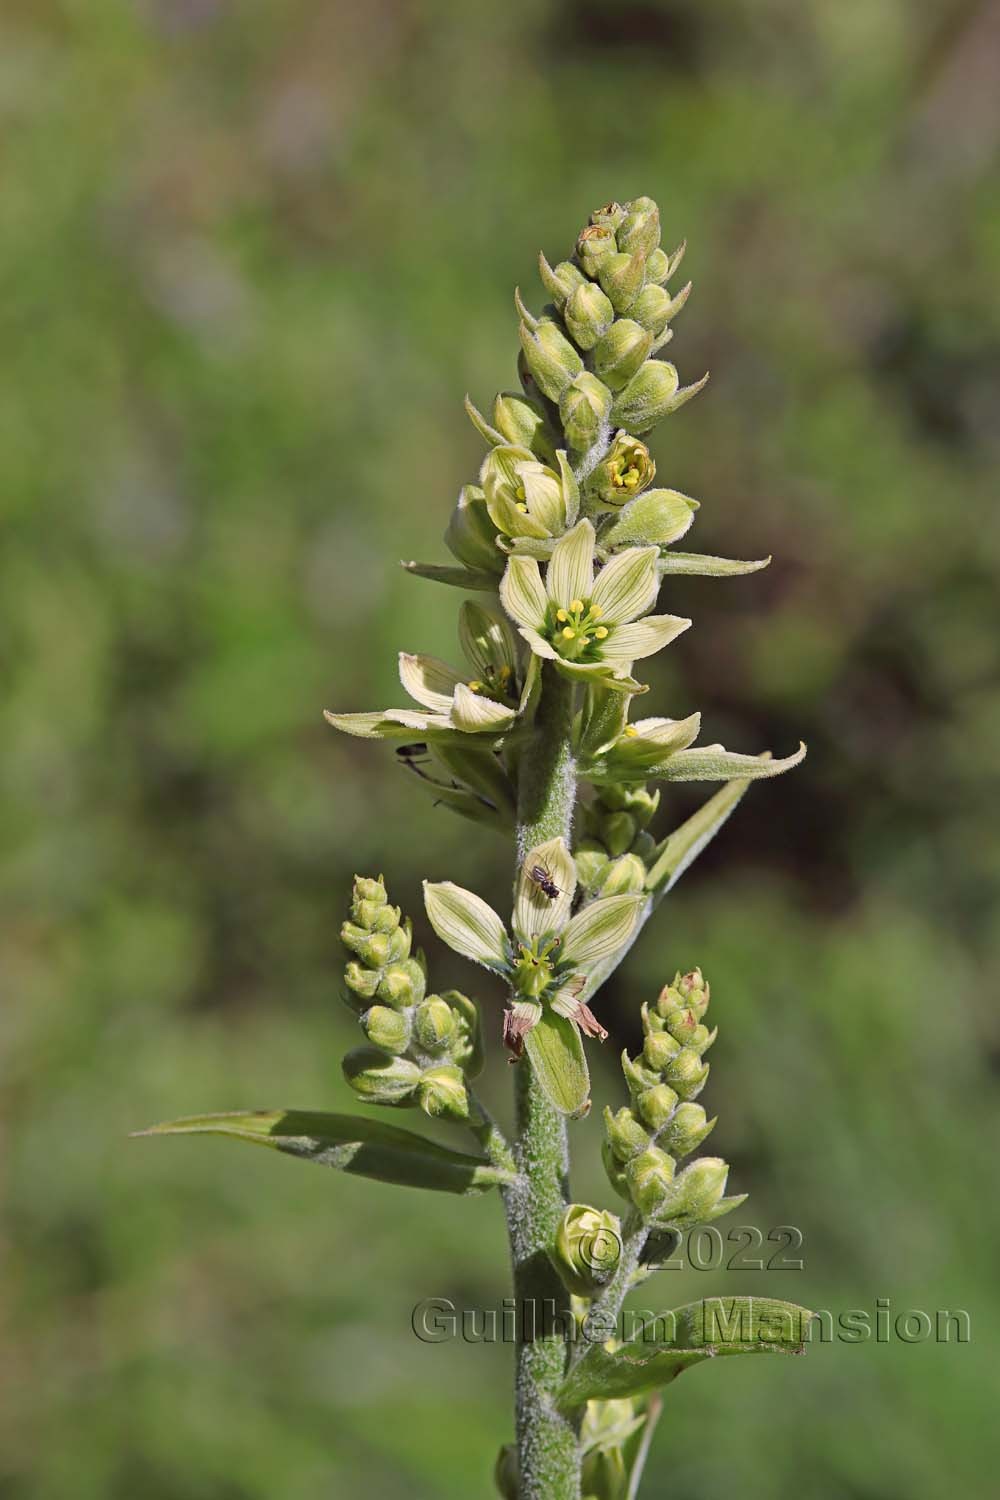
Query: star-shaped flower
{"points": [[589, 627]]}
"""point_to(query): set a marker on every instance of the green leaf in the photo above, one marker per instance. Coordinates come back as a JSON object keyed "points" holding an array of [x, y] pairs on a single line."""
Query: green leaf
{"points": [[714, 763], [681, 848], [350, 1143], [555, 1049], [475, 580], [674, 1341], [700, 565]]}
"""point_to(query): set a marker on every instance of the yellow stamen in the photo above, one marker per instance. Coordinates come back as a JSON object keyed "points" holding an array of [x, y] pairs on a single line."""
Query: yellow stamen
{"points": [[475, 686], [522, 508], [585, 640], [561, 615], [576, 605], [601, 632], [568, 635], [596, 611], [631, 731]]}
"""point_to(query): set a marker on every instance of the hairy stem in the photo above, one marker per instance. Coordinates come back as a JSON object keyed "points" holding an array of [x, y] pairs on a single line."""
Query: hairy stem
{"points": [[548, 1450]]}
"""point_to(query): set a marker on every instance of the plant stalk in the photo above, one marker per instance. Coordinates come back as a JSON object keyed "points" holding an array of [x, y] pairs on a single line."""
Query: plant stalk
{"points": [[547, 1444]]}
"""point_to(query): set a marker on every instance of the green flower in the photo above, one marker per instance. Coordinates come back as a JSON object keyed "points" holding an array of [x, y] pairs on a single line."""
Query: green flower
{"points": [[526, 498], [590, 628], [485, 702]]}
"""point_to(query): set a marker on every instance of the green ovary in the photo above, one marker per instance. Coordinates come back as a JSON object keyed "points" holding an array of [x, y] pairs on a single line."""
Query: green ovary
{"points": [[576, 632]]}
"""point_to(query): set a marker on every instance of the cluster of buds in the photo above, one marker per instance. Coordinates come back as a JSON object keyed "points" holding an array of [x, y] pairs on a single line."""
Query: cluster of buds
{"points": [[421, 1048], [614, 850], [571, 445], [644, 1142]]}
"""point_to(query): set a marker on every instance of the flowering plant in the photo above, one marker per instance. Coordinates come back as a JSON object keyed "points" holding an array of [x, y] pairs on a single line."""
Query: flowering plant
{"points": [[565, 543]]}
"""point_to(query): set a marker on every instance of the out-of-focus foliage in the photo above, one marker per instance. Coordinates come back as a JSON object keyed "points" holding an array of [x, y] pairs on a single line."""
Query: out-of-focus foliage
{"points": [[251, 257]]}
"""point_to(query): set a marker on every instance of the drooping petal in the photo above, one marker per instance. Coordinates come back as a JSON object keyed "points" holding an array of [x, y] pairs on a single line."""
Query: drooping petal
{"points": [[571, 568], [536, 910], [643, 638], [600, 928], [428, 680], [627, 585], [522, 592], [467, 923], [474, 714], [518, 1019]]}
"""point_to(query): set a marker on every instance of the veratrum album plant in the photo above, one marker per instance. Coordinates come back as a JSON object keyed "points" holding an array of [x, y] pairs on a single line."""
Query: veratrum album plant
{"points": [[563, 544]]}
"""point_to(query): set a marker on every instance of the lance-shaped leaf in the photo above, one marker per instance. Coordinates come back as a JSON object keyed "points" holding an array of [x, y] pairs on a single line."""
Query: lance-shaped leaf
{"points": [[468, 924], [350, 1143], [546, 868], [674, 1341], [715, 763], [472, 579], [555, 1049], [700, 565], [681, 848]]}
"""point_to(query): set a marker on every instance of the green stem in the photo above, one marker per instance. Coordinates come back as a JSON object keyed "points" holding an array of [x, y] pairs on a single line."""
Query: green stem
{"points": [[548, 1450]]}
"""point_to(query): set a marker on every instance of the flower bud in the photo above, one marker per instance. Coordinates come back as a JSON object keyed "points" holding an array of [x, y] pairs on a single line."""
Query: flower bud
{"points": [[583, 410], [627, 469], [369, 890], [361, 981], [594, 245], [507, 1473], [654, 307], [640, 227], [550, 358], [559, 281], [617, 831], [615, 1172], [647, 398], [624, 1135], [693, 990], [625, 874], [686, 1131], [524, 424], [659, 1049], [442, 1093], [590, 859], [638, 1076], [656, 1105], [620, 352], [379, 1079], [588, 315], [694, 1193], [610, 216], [687, 1073], [387, 1029], [683, 1024], [376, 918], [467, 1047], [434, 1025], [621, 277], [649, 1176], [471, 535], [657, 266], [587, 1248], [402, 984]]}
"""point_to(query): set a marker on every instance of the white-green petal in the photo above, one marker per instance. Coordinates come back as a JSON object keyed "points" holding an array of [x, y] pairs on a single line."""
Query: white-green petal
{"points": [[643, 638], [467, 923], [513, 522], [560, 1066], [540, 646], [666, 734], [536, 913], [627, 585], [715, 763], [385, 724], [571, 567], [475, 714], [600, 928], [522, 592], [571, 489], [428, 680], [486, 637]]}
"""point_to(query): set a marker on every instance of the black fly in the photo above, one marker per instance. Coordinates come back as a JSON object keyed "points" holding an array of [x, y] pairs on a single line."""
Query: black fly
{"points": [[414, 756], [539, 875]]}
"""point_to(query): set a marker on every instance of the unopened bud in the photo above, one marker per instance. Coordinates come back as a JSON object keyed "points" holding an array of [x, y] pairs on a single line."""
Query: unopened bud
{"points": [[656, 1105], [596, 243], [621, 277], [467, 1046], [550, 358], [587, 1248], [687, 1073], [693, 990], [471, 535], [588, 315], [620, 352], [369, 890], [638, 1076], [625, 1136], [584, 408], [442, 1093], [387, 1029], [649, 1176], [621, 876], [647, 398], [402, 984], [361, 981], [378, 1078], [654, 307], [524, 424], [559, 281], [376, 918], [686, 1131], [659, 1049], [615, 1172], [640, 227], [617, 832], [695, 1192], [610, 216], [657, 266], [434, 1025]]}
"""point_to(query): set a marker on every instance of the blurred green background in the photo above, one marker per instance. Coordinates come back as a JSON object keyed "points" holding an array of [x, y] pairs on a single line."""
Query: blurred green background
{"points": [[252, 255]]}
